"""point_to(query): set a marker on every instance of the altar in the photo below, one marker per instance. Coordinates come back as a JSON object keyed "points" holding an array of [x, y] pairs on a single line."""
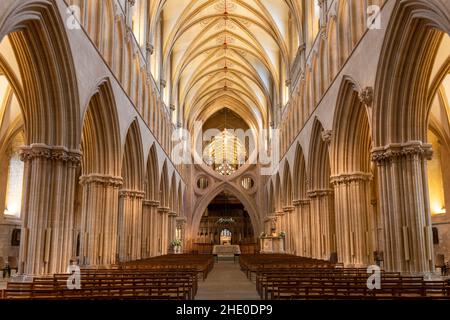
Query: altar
{"points": [[226, 251], [272, 244]]}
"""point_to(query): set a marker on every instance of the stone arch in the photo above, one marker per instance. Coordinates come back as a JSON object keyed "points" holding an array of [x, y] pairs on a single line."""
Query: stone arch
{"points": [[51, 105], [164, 197], [413, 36], [287, 186], [152, 179], [101, 136], [100, 179], [352, 178], [299, 174], [323, 234], [49, 102], [131, 196], [400, 125], [133, 159], [204, 201], [319, 162]]}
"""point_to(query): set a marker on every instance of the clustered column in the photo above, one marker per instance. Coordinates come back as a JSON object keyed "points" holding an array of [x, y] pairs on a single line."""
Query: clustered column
{"points": [[99, 219], [322, 223], [404, 206], [130, 224], [303, 222], [163, 225], [48, 208], [291, 231], [149, 228], [352, 207], [171, 216]]}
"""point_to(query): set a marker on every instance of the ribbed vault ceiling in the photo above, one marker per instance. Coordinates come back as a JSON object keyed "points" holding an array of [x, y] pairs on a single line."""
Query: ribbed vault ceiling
{"points": [[225, 53]]}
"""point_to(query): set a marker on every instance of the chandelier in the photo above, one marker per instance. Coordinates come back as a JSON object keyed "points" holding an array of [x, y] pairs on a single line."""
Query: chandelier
{"points": [[225, 153]]}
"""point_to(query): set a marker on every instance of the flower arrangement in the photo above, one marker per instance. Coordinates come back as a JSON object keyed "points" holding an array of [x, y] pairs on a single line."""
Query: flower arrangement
{"points": [[176, 243]]}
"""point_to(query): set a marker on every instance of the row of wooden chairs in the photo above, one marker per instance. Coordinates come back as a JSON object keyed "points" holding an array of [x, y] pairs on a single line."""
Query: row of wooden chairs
{"points": [[202, 263], [274, 280], [171, 278]]}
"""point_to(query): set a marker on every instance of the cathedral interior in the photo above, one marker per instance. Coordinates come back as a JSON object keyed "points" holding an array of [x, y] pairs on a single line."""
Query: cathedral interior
{"points": [[133, 131]]}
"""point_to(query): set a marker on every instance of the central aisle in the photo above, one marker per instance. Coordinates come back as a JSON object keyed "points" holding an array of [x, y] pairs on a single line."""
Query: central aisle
{"points": [[226, 282]]}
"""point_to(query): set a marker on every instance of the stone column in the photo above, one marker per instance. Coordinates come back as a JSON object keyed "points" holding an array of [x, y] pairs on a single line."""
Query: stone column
{"points": [[290, 229], [99, 219], [130, 224], [404, 206], [149, 228], [181, 225], [353, 211], [304, 241], [47, 208], [280, 221], [171, 216], [322, 223], [163, 230]]}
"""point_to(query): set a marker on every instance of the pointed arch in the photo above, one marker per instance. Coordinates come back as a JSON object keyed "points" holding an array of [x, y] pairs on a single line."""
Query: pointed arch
{"points": [[164, 196], [351, 143], [50, 109], [101, 136], [300, 187], [287, 189], [152, 179], [318, 162], [412, 41], [133, 159]]}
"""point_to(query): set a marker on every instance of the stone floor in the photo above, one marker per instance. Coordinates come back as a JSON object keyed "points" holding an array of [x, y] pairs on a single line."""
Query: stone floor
{"points": [[226, 282]]}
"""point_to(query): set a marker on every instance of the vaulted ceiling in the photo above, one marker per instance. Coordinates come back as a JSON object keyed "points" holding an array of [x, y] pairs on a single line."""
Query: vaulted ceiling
{"points": [[227, 53]]}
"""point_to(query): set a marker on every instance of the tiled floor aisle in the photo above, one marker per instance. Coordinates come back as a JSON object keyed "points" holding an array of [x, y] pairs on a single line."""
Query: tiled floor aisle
{"points": [[226, 282]]}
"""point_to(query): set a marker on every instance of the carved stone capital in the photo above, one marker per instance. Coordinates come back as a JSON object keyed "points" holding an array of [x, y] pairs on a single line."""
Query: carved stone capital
{"points": [[172, 214], [279, 214], [301, 202], [326, 136], [106, 180], [151, 203], [181, 220], [163, 83], [134, 194], [288, 209], [366, 96], [320, 193], [397, 151], [43, 151], [347, 178], [270, 218], [163, 210]]}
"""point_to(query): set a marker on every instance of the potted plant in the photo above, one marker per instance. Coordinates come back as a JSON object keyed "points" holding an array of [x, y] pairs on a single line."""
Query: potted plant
{"points": [[176, 244]]}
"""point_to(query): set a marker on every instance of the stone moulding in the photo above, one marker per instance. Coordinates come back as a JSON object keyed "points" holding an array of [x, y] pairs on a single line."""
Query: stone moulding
{"points": [[132, 194], [102, 179], [55, 153], [347, 178], [395, 151], [320, 193]]}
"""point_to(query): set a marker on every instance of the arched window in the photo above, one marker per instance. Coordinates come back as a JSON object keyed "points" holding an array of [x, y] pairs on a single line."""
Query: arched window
{"points": [[14, 186]]}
